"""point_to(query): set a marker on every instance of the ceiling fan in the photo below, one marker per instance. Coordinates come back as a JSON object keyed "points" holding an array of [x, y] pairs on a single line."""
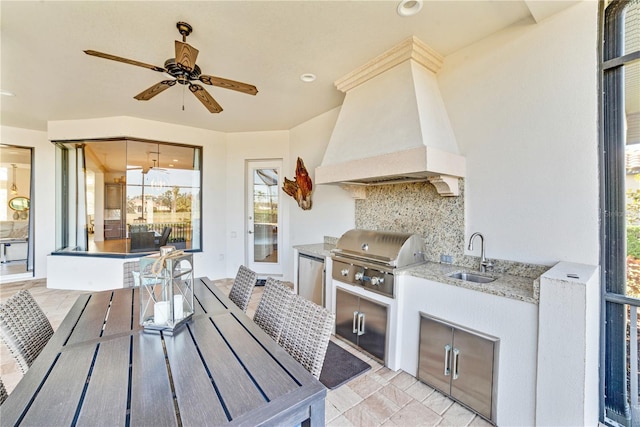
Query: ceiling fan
{"points": [[184, 70], [146, 169]]}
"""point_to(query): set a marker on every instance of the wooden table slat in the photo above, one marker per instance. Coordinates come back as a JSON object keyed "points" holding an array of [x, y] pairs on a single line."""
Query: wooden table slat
{"points": [[272, 378], [229, 376], [90, 324], [13, 406], [152, 402], [211, 303], [105, 403], [121, 314], [57, 401], [197, 399]]}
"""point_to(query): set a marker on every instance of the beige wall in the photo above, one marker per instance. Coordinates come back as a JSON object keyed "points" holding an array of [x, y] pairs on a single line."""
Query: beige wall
{"points": [[523, 105]]}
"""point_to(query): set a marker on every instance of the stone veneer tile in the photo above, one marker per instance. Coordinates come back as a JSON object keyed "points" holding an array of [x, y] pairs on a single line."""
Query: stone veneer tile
{"points": [[343, 398], [374, 410], [415, 414], [457, 415], [416, 208], [403, 380], [330, 411], [340, 421], [387, 374], [396, 395], [437, 402], [419, 391], [478, 421], [364, 385]]}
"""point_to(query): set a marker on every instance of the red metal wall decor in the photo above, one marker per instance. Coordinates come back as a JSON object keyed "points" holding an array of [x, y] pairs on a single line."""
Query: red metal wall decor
{"points": [[301, 187]]}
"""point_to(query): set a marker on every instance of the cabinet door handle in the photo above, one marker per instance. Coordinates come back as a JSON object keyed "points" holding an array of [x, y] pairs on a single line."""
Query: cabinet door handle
{"points": [[456, 354], [360, 324], [355, 317], [447, 352]]}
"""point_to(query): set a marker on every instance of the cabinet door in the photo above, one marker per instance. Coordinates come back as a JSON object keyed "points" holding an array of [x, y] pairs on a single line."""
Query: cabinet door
{"points": [[346, 312], [434, 364], [373, 328], [472, 371], [113, 196]]}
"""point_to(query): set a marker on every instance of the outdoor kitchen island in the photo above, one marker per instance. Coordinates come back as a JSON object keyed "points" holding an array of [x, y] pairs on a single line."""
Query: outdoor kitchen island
{"points": [[522, 314]]}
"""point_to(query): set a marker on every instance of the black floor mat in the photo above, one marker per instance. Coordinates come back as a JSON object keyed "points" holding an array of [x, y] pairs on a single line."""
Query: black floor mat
{"points": [[340, 366]]}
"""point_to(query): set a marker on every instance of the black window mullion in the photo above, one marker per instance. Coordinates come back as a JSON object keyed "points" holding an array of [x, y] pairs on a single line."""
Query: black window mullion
{"points": [[613, 253]]}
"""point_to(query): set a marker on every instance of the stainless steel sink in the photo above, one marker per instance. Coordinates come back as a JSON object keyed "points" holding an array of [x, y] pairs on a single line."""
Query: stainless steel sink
{"points": [[470, 277]]}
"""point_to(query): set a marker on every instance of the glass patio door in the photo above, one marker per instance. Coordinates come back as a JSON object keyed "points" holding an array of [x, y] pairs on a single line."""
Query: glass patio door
{"points": [[264, 235]]}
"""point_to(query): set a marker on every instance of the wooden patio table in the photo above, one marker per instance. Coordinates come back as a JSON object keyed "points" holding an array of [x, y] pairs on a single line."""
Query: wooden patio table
{"points": [[100, 368]]}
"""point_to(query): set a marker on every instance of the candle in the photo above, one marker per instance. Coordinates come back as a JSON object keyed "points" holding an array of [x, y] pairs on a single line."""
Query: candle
{"points": [[178, 311], [161, 312]]}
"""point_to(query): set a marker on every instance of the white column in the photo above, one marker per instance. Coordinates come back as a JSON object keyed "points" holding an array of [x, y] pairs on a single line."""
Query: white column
{"points": [[568, 346]]}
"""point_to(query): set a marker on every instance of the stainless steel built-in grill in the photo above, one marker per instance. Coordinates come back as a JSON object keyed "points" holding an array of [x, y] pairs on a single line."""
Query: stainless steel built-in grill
{"points": [[369, 258]]}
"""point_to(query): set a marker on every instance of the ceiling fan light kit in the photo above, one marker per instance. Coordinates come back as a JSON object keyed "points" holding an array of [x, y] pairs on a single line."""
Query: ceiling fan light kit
{"points": [[184, 70]]}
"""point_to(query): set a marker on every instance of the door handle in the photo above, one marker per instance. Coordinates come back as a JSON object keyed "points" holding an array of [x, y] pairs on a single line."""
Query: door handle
{"points": [[360, 324], [250, 232], [447, 353], [355, 317], [456, 354]]}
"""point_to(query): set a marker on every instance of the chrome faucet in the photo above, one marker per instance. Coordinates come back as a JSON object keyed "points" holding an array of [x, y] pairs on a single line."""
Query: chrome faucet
{"points": [[484, 264]]}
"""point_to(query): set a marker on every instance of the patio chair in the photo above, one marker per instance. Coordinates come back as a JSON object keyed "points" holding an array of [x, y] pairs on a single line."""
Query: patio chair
{"points": [[306, 332], [273, 306], [242, 287], [3, 393], [24, 328], [164, 238], [131, 269]]}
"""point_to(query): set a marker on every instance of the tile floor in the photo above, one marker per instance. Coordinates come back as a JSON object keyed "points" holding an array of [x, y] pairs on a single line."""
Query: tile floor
{"points": [[380, 397]]}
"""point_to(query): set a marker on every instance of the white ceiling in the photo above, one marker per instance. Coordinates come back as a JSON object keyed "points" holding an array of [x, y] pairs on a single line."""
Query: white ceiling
{"points": [[265, 43]]}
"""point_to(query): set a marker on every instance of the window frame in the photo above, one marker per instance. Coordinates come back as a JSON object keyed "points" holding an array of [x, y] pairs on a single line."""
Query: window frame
{"points": [[63, 194], [614, 406]]}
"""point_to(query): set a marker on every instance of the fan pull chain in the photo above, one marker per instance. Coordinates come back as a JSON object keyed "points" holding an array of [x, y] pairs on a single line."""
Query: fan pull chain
{"points": [[183, 89]]}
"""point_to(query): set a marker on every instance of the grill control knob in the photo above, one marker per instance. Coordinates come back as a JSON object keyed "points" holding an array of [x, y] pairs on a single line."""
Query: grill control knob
{"points": [[359, 276], [375, 281], [344, 272]]}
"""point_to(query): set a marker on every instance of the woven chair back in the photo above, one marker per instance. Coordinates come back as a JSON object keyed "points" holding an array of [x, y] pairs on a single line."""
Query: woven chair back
{"points": [[3, 393], [242, 287], [273, 306], [24, 328], [128, 276], [306, 332]]}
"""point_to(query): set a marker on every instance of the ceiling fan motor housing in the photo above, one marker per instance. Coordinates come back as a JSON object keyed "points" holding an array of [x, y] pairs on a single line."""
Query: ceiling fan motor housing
{"points": [[182, 75]]}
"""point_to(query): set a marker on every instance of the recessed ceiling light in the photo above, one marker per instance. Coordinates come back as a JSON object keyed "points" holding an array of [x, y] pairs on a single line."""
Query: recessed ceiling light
{"points": [[409, 7], [308, 77], [6, 93]]}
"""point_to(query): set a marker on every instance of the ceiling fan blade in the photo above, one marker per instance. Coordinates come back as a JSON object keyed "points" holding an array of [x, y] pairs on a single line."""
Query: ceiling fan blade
{"points": [[228, 84], [206, 99], [154, 90], [125, 60], [186, 55]]}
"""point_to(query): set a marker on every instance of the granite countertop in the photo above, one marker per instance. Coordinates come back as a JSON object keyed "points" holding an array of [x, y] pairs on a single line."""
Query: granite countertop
{"points": [[508, 286], [322, 250]]}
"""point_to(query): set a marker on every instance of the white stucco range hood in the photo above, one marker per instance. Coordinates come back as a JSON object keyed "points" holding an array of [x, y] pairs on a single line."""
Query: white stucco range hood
{"points": [[393, 126]]}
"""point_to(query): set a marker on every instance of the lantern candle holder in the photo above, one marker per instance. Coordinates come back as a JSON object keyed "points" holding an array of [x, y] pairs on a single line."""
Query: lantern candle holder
{"points": [[166, 290]]}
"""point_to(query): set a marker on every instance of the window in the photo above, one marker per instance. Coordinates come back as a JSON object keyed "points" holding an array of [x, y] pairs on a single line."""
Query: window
{"points": [[127, 196], [620, 198]]}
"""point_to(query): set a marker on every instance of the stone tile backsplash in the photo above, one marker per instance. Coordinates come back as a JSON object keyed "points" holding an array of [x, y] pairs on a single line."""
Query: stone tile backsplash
{"points": [[416, 208]]}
